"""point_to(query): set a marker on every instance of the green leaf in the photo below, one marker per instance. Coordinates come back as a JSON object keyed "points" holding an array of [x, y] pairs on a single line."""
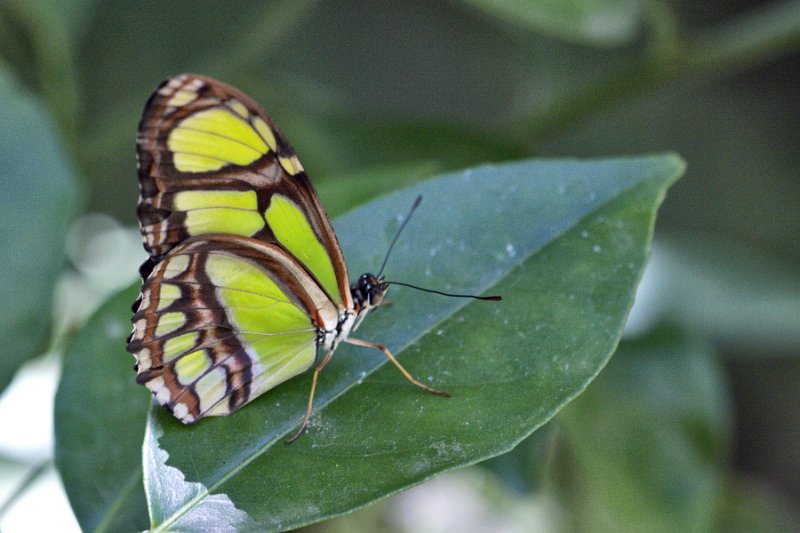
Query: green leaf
{"points": [[729, 292], [100, 413], [341, 193], [592, 22], [33, 474], [564, 242], [525, 468], [647, 443], [755, 507], [39, 199], [755, 186]]}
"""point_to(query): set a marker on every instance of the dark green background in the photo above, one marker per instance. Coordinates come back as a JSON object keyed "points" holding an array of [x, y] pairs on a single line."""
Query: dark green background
{"points": [[379, 95]]}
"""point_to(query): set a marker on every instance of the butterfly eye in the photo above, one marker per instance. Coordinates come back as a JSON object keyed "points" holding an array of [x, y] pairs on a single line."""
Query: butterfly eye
{"points": [[374, 289], [376, 295]]}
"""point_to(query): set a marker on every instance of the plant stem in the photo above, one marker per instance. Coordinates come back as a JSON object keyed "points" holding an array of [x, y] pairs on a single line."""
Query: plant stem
{"points": [[733, 47], [33, 474], [747, 41]]}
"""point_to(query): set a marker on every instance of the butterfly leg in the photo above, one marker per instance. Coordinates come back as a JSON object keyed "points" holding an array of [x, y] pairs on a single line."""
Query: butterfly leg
{"points": [[304, 425], [387, 353]]}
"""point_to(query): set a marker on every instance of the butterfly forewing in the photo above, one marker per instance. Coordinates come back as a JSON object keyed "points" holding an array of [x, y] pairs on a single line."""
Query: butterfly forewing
{"points": [[211, 161], [223, 319]]}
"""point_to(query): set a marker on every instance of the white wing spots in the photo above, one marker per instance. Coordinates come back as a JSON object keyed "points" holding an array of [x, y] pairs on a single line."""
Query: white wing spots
{"points": [[150, 239], [171, 86], [179, 93], [145, 303], [143, 359], [181, 411], [139, 328], [204, 316], [159, 390]]}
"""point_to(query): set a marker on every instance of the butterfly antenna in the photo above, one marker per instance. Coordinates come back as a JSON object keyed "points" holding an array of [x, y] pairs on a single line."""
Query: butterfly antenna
{"points": [[423, 289], [399, 230]]}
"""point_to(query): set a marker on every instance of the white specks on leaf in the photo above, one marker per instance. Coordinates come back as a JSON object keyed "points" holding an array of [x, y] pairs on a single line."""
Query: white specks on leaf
{"points": [[445, 449]]}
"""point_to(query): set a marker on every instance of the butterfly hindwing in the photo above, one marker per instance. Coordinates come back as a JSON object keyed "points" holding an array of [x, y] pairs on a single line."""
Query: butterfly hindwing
{"points": [[211, 161], [223, 319]]}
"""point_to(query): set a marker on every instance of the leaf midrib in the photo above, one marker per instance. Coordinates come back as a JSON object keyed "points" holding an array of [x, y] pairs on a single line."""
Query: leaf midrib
{"points": [[265, 447]]}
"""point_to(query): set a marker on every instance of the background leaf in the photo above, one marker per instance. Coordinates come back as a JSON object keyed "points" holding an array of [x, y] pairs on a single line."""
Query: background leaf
{"points": [[601, 22], [645, 443], [753, 302], [380, 95], [39, 199], [510, 366], [100, 413], [751, 506]]}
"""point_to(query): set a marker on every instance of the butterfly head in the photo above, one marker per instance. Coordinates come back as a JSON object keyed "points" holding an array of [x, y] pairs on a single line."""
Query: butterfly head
{"points": [[368, 292]]}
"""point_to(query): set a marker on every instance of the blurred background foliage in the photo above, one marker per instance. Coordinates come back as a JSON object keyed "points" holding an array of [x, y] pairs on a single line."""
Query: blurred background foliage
{"points": [[694, 425]]}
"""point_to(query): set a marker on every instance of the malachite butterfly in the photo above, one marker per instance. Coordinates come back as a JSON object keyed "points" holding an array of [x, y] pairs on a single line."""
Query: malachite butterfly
{"points": [[246, 285]]}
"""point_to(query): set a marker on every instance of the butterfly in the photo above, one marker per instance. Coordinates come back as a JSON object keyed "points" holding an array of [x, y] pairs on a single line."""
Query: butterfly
{"points": [[246, 285]]}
